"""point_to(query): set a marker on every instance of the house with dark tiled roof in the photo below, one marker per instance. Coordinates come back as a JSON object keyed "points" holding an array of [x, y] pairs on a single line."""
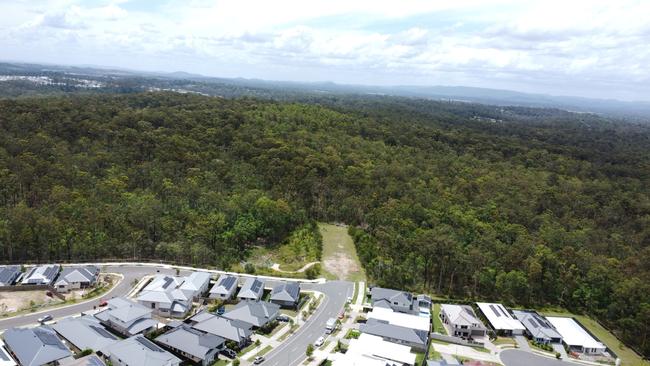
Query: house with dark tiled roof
{"points": [[286, 294], [36, 346], [195, 345]]}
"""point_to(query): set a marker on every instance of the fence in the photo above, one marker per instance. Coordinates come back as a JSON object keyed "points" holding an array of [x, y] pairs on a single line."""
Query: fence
{"points": [[455, 340]]}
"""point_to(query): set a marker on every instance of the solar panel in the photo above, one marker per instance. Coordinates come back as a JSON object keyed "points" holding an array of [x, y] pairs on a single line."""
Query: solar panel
{"points": [[533, 322], [256, 286], [168, 281], [48, 338], [228, 282], [503, 310], [495, 310], [145, 342], [102, 332]]}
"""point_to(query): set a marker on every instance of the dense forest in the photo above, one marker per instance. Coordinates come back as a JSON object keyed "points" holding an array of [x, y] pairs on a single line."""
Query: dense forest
{"points": [[533, 207]]}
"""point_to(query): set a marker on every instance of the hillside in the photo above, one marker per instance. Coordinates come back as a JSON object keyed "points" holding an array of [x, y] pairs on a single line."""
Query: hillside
{"points": [[530, 206]]}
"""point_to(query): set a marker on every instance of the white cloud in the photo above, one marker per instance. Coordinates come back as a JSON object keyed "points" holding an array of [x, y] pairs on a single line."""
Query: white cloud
{"points": [[585, 47]]}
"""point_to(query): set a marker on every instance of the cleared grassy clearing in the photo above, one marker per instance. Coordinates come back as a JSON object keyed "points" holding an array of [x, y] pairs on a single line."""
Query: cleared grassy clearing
{"points": [[340, 260]]}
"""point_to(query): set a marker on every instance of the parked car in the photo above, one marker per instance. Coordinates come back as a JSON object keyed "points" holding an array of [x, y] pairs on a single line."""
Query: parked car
{"points": [[229, 353], [283, 318], [103, 302], [341, 315], [258, 360], [221, 310], [319, 342], [45, 318]]}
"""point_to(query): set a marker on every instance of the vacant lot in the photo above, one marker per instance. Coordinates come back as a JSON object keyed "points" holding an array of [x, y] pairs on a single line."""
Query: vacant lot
{"points": [[628, 357], [340, 259], [11, 302]]}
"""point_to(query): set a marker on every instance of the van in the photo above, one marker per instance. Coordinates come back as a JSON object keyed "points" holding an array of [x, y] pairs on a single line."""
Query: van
{"points": [[330, 326]]}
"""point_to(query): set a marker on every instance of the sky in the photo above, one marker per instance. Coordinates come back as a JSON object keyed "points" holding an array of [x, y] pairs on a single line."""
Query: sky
{"points": [[562, 47]]}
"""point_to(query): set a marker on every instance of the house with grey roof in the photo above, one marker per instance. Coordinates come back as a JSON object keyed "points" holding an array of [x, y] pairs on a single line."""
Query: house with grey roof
{"points": [[286, 294], [36, 346], [90, 360], [537, 327], [74, 278], [233, 330], [415, 338], [139, 351], [9, 275], [85, 332], [5, 357], [252, 289], [225, 288], [195, 345], [461, 321], [400, 301], [127, 317], [255, 313], [41, 275], [171, 296]]}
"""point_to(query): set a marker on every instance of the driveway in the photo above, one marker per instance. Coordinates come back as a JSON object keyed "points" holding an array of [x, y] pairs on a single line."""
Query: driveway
{"points": [[523, 343], [512, 357]]}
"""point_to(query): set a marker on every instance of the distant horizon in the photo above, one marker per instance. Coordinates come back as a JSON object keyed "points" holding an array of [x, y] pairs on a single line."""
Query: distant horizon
{"points": [[306, 82], [592, 49]]}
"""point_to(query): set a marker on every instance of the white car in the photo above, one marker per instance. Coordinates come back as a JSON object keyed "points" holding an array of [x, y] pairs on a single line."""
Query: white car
{"points": [[319, 342]]}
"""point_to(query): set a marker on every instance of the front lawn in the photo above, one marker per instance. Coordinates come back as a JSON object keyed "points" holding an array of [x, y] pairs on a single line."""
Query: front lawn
{"points": [[437, 323]]}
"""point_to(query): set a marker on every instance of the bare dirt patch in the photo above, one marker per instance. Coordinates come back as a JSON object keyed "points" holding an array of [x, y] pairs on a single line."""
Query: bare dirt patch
{"points": [[340, 258], [11, 302]]}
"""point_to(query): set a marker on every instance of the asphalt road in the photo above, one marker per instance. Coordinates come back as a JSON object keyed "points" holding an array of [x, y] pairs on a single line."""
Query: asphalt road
{"points": [[292, 351], [130, 274]]}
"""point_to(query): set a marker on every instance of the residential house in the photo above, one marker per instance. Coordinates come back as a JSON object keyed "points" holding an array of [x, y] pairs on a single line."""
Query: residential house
{"points": [[424, 305], [9, 275], [368, 349], [74, 278], [461, 321], [232, 330], [403, 320], [90, 360], [171, 296], [500, 319], [575, 337], [85, 332], [252, 290], [537, 327], [286, 294], [255, 313], [418, 339], [41, 275], [126, 317], [197, 346], [225, 288], [139, 351], [195, 285], [5, 357], [399, 301], [36, 346]]}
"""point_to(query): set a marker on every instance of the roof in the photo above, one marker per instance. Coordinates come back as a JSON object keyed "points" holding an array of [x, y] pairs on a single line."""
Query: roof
{"points": [[537, 325], [78, 274], [5, 358], [437, 363], [255, 313], [174, 292], [384, 329], [499, 317], [85, 333], [573, 334], [380, 293], [286, 291], [124, 310], [225, 285], [252, 289], [195, 281], [8, 275], [90, 360], [374, 347], [35, 346], [191, 341], [234, 330], [401, 319], [461, 315], [140, 351], [42, 274]]}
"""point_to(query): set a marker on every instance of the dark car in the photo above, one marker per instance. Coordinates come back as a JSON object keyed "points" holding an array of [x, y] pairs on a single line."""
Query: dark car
{"points": [[283, 318], [229, 353]]}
